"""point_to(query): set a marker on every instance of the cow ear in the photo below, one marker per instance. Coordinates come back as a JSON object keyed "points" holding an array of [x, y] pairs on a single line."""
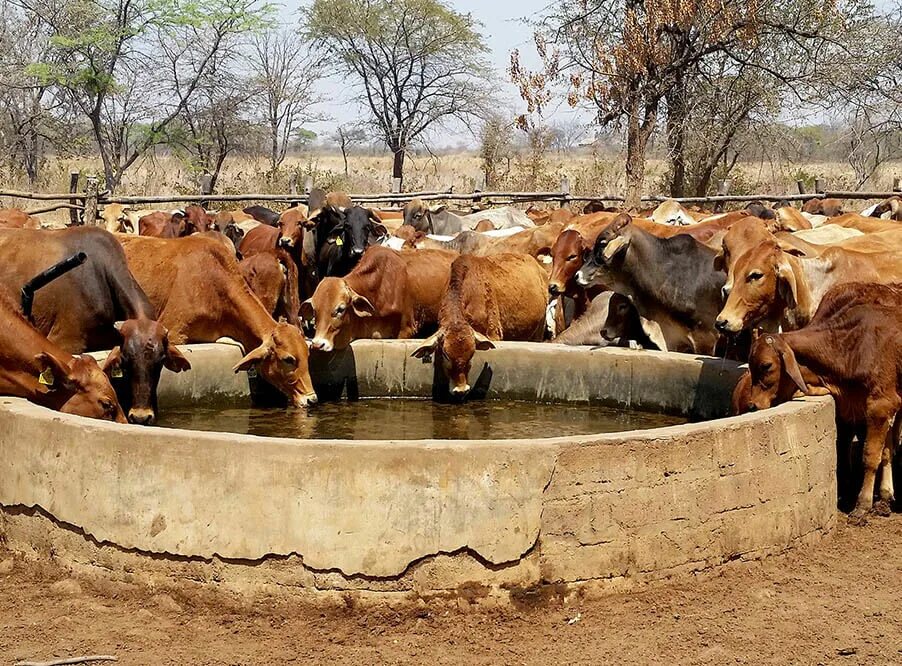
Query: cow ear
{"points": [[719, 263], [307, 311], [543, 256], [428, 346], [54, 372], [616, 246], [786, 284], [790, 249], [380, 230], [118, 325], [792, 368], [482, 342], [255, 356], [113, 360], [175, 360], [373, 215], [362, 306]]}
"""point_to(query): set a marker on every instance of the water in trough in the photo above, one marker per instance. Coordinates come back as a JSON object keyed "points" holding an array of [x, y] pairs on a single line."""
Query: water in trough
{"points": [[397, 418]]}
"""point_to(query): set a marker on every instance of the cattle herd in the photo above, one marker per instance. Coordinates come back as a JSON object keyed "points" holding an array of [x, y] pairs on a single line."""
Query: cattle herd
{"points": [[810, 298]]}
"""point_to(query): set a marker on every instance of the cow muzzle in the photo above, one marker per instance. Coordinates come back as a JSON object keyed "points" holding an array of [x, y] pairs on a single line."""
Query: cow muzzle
{"points": [[139, 416], [286, 242], [460, 391], [321, 344], [356, 251], [727, 326], [554, 289], [305, 400]]}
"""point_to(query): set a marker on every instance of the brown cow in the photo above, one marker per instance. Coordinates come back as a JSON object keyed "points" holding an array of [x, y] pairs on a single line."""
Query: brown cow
{"points": [[867, 225], [34, 368], [501, 297], [197, 286], [771, 286], [852, 350], [198, 220], [827, 207], [273, 277], [163, 225], [13, 218], [388, 294], [287, 234]]}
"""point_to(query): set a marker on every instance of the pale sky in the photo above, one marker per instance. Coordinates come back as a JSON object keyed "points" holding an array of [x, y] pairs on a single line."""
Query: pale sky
{"points": [[504, 27]]}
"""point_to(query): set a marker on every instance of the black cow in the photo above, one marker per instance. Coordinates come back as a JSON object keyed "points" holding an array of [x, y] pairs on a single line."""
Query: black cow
{"points": [[97, 306], [341, 238]]}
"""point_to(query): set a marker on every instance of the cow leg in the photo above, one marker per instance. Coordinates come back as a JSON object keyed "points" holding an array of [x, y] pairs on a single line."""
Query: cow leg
{"points": [[886, 494], [879, 420]]}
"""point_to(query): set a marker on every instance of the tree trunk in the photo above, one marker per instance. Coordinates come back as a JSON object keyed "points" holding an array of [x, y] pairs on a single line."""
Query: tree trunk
{"points": [[397, 170], [637, 135], [677, 113], [344, 156]]}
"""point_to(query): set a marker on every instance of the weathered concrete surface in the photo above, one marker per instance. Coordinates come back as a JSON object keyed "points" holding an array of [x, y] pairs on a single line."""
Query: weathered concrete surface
{"points": [[479, 520]]}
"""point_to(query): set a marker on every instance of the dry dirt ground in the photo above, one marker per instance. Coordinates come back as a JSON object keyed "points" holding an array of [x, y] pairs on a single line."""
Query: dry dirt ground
{"points": [[838, 603]]}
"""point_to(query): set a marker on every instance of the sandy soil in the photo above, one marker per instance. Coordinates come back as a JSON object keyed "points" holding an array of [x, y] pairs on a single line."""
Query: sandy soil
{"points": [[838, 603]]}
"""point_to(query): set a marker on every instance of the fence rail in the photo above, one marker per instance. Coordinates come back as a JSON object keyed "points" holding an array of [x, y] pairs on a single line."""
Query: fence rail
{"points": [[91, 199]]}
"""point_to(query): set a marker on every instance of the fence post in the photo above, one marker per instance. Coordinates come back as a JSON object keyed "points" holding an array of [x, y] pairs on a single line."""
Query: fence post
{"points": [[74, 217], [395, 185], [723, 189], [293, 183], [92, 188], [308, 185], [206, 187], [819, 185], [565, 190], [897, 187], [801, 185]]}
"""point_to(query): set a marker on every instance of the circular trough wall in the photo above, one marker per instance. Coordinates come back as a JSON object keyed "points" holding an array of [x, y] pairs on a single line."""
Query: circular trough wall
{"points": [[517, 520]]}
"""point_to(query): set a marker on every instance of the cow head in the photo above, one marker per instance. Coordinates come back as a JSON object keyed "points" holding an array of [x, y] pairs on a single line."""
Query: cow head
{"points": [[621, 319], [291, 228], [454, 347], [81, 386], [611, 242], [135, 366], [333, 307], [364, 228], [198, 220], [116, 219], [282, 360], [418, 215], [566, 259], [762, 285], [775, 374]]}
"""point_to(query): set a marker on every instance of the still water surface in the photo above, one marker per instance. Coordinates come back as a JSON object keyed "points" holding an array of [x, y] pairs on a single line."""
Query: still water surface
{"points": [[397, 418]]}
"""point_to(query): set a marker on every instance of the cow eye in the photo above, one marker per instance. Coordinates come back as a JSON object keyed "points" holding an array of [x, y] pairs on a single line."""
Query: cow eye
{"points": [[572, 257], [339, 311], [766, 366], [754, 275], [290, 360]]}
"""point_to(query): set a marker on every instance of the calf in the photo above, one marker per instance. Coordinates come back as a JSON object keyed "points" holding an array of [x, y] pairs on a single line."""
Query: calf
{"points": [[197, 286], [34, 368], [116, 219], [13, 218], [852, 350], [500, 297], [624, 323], [163, 225], [389, 294], [273, 277], [826, 207], [97, 306]]}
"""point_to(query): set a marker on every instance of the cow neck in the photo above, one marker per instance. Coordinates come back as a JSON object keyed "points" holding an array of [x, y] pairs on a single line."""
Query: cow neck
{"points": [[796, 317], [677, 291], [249, 322], [815, 352]]}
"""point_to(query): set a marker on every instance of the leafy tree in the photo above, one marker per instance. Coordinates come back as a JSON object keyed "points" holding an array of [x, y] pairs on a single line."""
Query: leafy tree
{"points": [[417, 63], [130, 67]]}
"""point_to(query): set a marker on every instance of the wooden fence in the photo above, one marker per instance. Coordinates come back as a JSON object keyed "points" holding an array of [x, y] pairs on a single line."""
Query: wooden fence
{"points": [[84, 205]]}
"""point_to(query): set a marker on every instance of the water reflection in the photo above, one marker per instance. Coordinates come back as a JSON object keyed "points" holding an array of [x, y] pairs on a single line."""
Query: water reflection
{"points": [[386, 418]]}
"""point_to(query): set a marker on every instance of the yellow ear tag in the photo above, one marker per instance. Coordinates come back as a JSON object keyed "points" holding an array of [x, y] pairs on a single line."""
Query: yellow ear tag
{"points": [[116, 373], [339, 241], [46, 377]]}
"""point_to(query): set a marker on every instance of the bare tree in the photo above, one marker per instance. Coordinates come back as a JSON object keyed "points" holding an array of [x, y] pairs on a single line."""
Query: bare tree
{"points": [[630, 59], [418, 63], [346, 136], [285, 74]]}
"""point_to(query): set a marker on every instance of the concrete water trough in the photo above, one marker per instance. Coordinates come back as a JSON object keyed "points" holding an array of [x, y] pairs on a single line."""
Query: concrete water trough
{"points": [[487, 521]]}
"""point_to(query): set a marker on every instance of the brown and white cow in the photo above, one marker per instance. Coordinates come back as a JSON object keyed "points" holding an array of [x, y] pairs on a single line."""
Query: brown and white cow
{"points": [[852, 350], [197, 287], [388, 294], [34, 368], [500, 297]]}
